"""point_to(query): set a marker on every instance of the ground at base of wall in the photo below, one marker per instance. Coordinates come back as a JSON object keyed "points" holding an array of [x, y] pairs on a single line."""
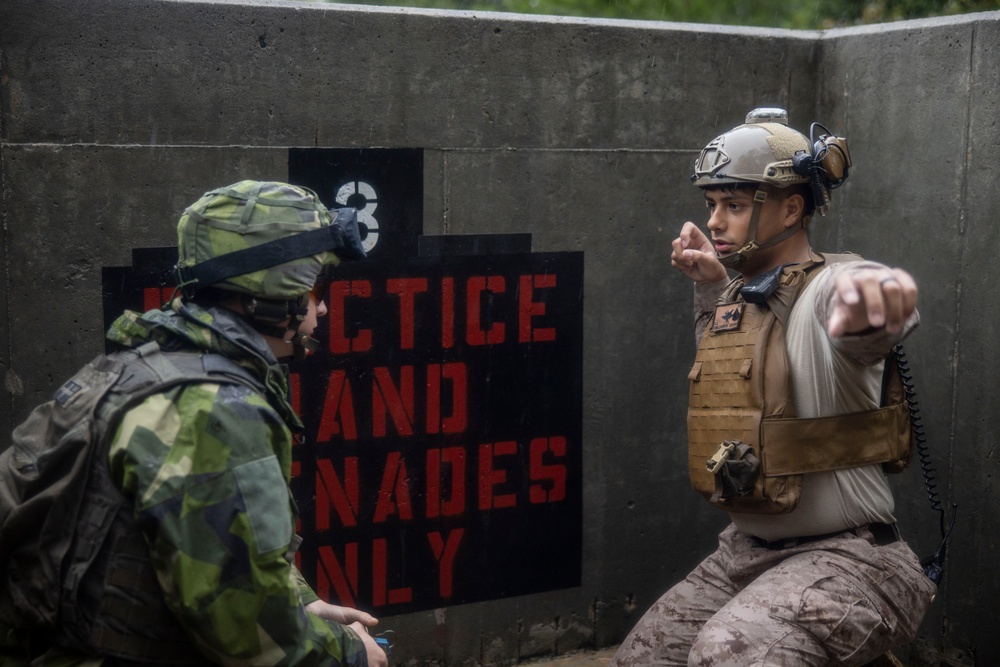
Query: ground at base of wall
{"points": [[598, 658]]}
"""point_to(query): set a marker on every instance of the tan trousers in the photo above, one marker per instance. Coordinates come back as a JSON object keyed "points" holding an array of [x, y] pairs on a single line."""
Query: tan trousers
{"points": [[841, 600]]}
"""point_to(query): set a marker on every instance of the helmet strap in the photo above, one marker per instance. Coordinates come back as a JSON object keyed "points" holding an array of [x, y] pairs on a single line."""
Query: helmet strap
{"points": [[736, 259], [271, 312], [778, 238]]}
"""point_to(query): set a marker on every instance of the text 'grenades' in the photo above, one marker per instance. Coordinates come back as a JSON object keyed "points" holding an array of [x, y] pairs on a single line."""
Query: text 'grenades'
{"points": [[341, 502]]}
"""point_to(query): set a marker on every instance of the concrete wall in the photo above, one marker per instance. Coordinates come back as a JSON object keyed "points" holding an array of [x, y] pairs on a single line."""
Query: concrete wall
{"points": [[117, 114]]}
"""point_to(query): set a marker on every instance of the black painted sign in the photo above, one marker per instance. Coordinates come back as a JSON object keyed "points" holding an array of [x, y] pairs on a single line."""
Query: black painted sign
{"points": [[442, 461]]}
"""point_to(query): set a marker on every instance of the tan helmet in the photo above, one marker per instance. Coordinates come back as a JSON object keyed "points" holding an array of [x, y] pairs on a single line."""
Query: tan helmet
{"points": [[759, 151], [765, 151]]}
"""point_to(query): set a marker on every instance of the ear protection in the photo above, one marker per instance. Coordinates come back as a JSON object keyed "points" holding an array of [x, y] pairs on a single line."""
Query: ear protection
{"points": [[269, 317], [826, 166], [271, 312]]}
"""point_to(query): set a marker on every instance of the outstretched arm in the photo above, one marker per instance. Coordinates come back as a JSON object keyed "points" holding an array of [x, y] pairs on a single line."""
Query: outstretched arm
{"points": [[869, 298], [867, 308]]}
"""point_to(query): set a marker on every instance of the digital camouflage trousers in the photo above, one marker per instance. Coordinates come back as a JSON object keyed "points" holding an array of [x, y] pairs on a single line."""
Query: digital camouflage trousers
{"points": [[841, 600]]}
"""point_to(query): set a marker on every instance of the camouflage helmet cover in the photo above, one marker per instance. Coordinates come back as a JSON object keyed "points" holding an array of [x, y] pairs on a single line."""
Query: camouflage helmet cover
{"points": [[759, 151], [249, 214]]}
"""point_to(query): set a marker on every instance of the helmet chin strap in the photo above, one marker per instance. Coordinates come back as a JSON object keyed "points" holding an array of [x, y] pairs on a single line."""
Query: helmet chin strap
{"points": [[735, 260]]}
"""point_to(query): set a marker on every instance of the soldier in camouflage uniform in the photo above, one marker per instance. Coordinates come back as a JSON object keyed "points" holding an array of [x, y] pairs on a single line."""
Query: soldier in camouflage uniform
{"points": [[812, 570], [202, 468]]}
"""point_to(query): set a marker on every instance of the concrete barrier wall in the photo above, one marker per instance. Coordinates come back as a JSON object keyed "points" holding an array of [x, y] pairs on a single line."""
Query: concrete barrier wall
{"points": [[117, 114]]}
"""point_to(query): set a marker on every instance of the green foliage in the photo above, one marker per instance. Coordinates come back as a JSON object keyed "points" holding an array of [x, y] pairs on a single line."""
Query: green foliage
{"points": [[796, 14]]}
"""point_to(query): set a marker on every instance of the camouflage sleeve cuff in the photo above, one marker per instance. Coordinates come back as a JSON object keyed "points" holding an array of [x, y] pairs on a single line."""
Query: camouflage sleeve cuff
{"points": [[352, 648], [306, 594]]}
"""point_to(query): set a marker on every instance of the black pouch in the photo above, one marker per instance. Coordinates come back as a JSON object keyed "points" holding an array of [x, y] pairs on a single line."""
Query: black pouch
{"points": [[736, 468]]}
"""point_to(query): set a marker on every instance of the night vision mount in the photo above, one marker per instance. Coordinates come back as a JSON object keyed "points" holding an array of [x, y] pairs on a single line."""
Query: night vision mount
{"points": [[826, 166]]}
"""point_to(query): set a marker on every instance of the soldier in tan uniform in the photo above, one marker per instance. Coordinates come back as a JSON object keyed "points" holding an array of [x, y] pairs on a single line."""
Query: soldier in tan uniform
{"points": [[790, 430]]}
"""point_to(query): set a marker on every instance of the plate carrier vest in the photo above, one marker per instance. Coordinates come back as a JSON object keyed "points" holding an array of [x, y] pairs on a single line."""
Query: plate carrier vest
{"points": [[741, 417]]}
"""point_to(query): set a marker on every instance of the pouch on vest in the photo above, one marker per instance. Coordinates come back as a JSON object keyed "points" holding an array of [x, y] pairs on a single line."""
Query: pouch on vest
{"points": [[735, 468]]}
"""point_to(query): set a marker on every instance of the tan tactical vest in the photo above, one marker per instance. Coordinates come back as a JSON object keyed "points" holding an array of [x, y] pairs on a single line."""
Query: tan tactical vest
{"points": [[747, 450]]}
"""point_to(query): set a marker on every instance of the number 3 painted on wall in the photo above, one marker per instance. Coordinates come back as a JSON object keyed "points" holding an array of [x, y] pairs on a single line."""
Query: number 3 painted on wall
{"points": [[360, 195]]}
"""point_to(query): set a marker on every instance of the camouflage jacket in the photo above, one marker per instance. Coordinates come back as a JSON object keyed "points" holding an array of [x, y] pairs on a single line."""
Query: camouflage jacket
{"points": [[208, 466]]}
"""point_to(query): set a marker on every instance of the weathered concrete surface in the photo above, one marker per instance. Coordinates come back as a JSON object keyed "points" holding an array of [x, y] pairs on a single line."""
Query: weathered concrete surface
{"points": [[115, 115], [924, 101]]}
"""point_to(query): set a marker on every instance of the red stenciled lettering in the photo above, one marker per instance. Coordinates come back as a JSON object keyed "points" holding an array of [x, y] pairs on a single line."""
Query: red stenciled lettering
{"points": [[457, 420], [406, 289], [554, 476], [388, 400], [444, 553], [339, 342], [338, 410], [475, 334], [342, 497], [154, 297], [447, 313], [490, 477], [433, 424], [381, 593], [528, 309], [454, 503], [343, 580], [394, 493]]}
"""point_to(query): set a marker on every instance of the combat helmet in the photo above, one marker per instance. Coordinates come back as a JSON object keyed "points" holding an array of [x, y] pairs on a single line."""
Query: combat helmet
{"points": [[765, 151], [270, 243]]}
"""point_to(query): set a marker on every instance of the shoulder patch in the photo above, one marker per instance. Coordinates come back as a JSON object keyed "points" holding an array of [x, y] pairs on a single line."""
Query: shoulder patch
{"points": [[66, 392], [727, 317]]}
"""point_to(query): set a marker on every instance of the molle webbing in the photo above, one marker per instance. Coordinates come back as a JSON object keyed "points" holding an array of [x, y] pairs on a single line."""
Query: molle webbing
{"points": [[740, 391], [724, 404], [132, 623]]}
